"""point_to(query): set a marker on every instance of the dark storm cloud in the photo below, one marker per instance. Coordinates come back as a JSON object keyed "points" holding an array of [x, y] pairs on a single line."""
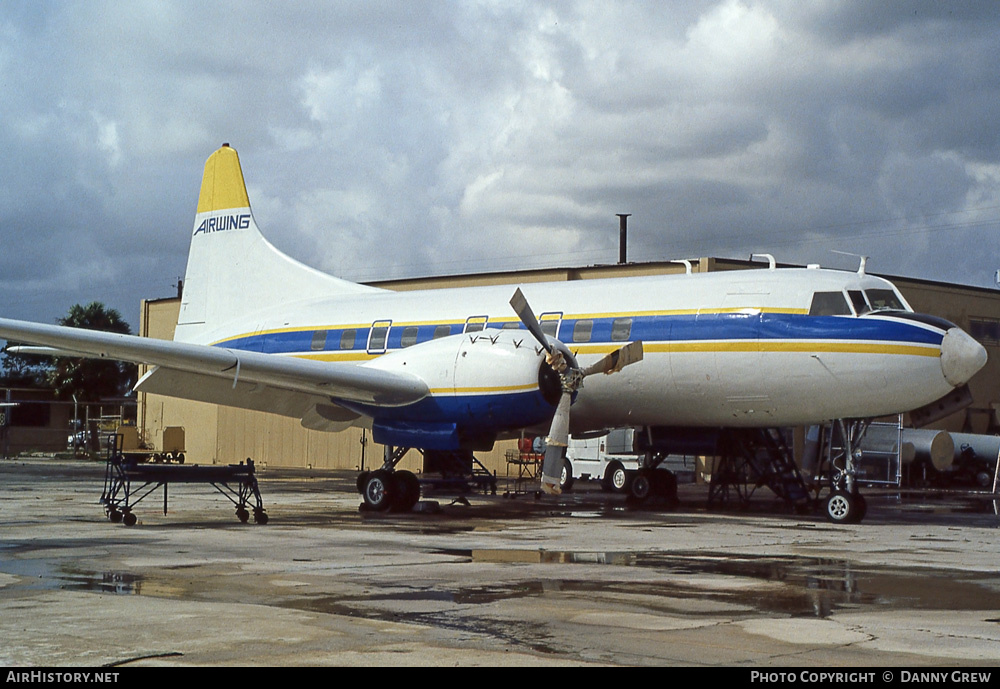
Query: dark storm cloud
{"points": [[388, 139]]}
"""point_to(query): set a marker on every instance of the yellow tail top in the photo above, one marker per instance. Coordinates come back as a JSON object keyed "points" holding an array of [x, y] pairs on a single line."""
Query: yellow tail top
{"points": [[222, 186]]}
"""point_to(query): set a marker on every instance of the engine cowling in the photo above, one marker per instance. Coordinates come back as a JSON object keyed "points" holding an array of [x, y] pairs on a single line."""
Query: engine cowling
{"points": [[481, 384]]}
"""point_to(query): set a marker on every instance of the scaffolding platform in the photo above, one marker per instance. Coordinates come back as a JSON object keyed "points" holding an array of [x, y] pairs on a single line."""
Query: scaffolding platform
{"points": [[128, 481]]}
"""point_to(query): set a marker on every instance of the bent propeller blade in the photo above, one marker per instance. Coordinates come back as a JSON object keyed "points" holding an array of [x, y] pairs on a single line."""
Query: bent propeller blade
{"points": [[617, 360], [555, 445]]}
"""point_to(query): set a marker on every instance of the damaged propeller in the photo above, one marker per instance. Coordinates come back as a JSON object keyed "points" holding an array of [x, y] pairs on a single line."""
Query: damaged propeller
{"points": [[571, 376]]}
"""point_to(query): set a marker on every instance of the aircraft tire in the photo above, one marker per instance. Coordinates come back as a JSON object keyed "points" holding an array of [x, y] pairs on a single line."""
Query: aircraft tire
{"points": [[407, 490], [362, 480], [862, 508], [665, 486], [242, 514], [844, 508], [641, 487], [129, 519], [260, 517], [378, 490]]}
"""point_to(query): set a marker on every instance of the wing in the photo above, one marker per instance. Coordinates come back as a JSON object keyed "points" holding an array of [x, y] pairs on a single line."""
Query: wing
{"points": [[228, 376]]}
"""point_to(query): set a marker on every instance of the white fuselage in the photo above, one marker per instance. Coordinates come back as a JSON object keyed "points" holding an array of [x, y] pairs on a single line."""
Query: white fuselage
{"points": [[721, 349]]}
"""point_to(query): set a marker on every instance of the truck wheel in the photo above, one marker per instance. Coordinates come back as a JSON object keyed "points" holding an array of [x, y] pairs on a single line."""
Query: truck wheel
{"points": [[566, 479]]}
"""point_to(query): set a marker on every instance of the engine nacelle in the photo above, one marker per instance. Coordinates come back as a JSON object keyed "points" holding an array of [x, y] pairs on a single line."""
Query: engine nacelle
{"points": [[481, 384]]}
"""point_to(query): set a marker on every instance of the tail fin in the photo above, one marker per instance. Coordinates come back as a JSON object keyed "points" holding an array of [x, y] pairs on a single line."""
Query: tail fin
{"points": [[232, 271]]}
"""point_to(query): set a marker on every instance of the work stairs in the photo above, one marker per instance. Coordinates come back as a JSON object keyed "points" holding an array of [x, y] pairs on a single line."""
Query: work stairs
{"points": [[749, 459]]}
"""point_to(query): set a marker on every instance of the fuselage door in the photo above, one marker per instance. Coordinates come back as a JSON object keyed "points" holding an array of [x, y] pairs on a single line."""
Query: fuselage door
{"points": [[738, 355], [378, 337]]}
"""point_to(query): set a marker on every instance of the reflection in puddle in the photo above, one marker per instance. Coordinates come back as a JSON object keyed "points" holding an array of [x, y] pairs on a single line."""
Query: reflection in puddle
{"points": [[811, 587], [105, 582], [42, 574]]}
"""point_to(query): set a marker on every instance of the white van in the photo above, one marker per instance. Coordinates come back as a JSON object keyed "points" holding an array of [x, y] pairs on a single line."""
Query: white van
{"points": [[610, 459]]}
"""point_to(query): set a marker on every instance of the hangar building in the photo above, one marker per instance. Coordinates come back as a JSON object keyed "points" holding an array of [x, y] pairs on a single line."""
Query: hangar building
{"points": [[225, 435]]}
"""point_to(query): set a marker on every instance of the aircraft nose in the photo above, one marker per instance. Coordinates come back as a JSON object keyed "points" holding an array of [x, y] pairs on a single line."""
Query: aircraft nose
{"points": [[961, 356]]}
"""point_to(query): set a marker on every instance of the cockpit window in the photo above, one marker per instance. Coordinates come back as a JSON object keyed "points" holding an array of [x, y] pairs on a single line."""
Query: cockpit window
{"points": [[829, 304], [884, 300], [858, 300]]}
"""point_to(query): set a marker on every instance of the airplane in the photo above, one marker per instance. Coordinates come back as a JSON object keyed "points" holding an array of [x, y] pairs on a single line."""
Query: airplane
{"points": [[454, 370]]}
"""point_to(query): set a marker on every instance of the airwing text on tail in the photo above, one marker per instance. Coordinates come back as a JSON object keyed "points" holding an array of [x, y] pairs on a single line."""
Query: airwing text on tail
{"points": [[232, 270]]}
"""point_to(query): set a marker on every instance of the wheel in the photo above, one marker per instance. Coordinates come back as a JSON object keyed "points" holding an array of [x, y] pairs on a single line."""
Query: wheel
{"points": [[665, 486], [984, 479], [129, 519], [615, 478], [407, 492], [260, 517], [362, 480], [641, 487], [862, 507], [566, 478], [378, 490], [842, 507], [242, 514], [114, 515]]}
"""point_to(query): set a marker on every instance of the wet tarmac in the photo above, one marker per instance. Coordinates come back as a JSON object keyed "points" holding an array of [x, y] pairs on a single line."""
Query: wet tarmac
{"points": [[574, 580]]}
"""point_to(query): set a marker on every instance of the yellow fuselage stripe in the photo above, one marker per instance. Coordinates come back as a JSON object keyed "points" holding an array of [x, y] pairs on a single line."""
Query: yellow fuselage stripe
{"points": [[708, 347]]}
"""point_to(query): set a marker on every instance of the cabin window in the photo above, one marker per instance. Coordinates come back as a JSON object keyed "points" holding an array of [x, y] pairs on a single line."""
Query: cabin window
{"points": [[512, 325], [347, 339], [442, 331], [582, 330], [858, 301], [409, 336], [884, 300], [829, 304], [621, 329], [319, 341]]}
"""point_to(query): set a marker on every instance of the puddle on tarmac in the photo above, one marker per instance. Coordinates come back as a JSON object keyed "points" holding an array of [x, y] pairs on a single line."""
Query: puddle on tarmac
{"points": [[42, 574], [809, 587]]}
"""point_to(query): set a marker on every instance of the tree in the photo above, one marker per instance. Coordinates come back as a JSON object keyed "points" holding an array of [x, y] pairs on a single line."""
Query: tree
{"points": [[24, 370], [91, 380]]}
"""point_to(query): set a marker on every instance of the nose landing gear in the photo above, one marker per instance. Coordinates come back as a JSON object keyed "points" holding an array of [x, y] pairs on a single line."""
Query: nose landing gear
{"points": [[845, 504], [843, 507]]}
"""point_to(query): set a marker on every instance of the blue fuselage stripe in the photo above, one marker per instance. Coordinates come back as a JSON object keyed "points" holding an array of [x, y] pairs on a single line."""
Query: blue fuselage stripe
{"points": [[650, 329]]}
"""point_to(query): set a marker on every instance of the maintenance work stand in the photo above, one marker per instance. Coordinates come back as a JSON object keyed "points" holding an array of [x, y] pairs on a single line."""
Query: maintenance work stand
{"points": [[128, 481]]}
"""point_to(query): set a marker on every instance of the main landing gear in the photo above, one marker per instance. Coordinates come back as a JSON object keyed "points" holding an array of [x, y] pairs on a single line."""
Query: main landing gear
{"points": [[386, 490], [651, 483]]}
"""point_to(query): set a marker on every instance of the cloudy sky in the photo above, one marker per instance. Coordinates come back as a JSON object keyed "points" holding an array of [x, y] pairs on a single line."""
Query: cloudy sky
{"points": [[390, 139]]}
